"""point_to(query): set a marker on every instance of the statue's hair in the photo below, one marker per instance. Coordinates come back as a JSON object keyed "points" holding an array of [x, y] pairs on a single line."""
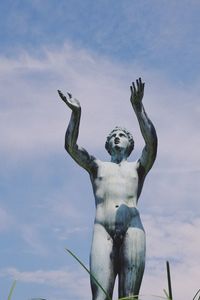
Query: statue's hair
{"points": [[130, 138]]}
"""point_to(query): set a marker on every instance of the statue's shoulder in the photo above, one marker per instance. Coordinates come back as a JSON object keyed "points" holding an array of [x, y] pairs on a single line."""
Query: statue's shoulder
{"points": [[136, 163], [97, 161], [103, 165], [133, 165], [98, 167], [96, 164]]}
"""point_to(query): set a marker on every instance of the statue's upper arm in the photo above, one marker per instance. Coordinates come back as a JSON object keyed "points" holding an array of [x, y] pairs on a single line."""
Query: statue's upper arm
{"points": [[83, 158], [145, 162]]}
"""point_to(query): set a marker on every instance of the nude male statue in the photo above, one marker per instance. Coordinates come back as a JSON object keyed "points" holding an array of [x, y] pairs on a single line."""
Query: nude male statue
{"points": [[118, 246]]}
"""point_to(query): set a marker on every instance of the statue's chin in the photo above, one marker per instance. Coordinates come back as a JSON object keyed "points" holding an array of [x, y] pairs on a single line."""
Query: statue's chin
{"points": [[117, 150], [117, 147]]}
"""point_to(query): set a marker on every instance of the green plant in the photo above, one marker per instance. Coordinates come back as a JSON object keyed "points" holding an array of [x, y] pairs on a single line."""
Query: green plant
{"points": [[135, 297], [197, 293], [92, 276], [169, 295], [11, 290]]}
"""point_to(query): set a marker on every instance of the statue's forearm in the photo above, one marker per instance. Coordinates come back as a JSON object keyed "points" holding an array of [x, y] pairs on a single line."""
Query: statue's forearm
{"points": [[72, 130], [147, 128], [79, 154]]}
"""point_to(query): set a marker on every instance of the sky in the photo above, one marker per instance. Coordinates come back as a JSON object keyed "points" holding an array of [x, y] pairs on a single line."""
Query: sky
{"points": [[95, 49]]}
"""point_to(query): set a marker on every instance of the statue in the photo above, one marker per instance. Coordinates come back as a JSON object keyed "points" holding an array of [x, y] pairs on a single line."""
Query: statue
{"points": [[118, 245]]}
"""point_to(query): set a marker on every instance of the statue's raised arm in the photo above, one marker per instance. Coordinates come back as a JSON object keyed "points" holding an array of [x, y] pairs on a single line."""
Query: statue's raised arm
{"points": [[80, 155], [147, 129]]}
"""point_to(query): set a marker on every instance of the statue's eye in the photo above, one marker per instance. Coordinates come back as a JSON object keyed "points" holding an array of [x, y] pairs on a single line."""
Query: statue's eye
{"points": [[114, 135], [122, 135]]}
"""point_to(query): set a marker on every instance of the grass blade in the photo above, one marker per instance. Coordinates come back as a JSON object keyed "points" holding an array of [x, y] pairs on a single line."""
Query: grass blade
{"points": [[92, 276], [135, 297], [166, 294], [197, 293], [37, 299], [160, 297], [11, 290], [169, 281]]}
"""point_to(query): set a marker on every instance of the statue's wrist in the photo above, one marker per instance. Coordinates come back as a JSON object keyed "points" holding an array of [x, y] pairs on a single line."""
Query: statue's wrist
{"points": [[137, 106], [76, 110]]}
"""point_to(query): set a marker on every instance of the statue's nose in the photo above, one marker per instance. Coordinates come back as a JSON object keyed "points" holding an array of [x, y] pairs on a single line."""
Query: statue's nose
{"points": [[117, 140]]}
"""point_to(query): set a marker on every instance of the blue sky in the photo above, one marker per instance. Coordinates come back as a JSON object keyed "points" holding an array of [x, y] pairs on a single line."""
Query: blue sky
{"points": [[95, 49]]}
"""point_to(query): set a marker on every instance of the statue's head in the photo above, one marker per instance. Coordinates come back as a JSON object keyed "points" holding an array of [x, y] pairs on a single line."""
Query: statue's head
{"points": [[119, 138]]}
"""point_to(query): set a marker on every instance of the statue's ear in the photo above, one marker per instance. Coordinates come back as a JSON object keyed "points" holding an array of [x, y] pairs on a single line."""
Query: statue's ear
{"points": [[107, 146], [130, 148]]}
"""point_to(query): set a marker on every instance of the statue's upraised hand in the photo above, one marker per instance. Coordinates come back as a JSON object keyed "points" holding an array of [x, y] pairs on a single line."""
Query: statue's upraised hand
{"points": [[73, 103], [137, 92]]}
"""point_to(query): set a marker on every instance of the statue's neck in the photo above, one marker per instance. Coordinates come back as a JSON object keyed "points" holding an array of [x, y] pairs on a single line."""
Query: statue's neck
{"points": [[117, 159]]}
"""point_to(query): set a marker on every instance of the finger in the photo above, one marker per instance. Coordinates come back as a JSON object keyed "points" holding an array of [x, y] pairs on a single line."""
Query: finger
{"points": [[137, 82], [70, 95], [134, 88], [140, 83], [61, 94], [131, 89]]}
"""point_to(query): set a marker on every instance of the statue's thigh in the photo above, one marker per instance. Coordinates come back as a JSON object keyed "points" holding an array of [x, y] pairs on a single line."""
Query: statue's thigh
{"points": [[132, 262], [101, 258]]}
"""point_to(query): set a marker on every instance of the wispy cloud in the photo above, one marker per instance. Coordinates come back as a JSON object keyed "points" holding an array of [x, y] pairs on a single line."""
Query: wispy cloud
{"points": [[66, 282], [173, 239], [34, 118], [34, 121], [6, 220], [32, 237], [64, 234]]}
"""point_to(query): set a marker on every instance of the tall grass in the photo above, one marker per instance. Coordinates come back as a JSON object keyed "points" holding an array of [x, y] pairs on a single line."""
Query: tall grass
{"points": [[11, 290], [168, 295], [134, 297], [196, 295], [92, 276]]}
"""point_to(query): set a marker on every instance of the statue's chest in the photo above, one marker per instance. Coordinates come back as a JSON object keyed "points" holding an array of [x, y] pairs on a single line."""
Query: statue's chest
{"points": [[117, 172]]}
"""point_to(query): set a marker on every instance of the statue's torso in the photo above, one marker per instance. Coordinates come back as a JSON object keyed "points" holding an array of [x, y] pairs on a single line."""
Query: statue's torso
{"points": [[115, 189]]}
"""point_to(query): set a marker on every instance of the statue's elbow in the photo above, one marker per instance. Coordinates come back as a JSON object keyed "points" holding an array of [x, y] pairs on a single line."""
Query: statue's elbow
{"points": [[67, 147], [154, 139], [156, 144]]}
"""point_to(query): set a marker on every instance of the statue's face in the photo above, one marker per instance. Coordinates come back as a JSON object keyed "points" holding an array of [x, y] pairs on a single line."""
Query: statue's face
{"points": [[119, 141]]}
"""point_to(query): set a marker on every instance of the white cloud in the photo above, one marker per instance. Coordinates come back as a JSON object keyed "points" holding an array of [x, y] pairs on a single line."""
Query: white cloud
{"points": [[31, 235], [34, 120], [6, 220], [176, 240], [167, 239], [69, 283], [64, 233], [64, 208]]}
